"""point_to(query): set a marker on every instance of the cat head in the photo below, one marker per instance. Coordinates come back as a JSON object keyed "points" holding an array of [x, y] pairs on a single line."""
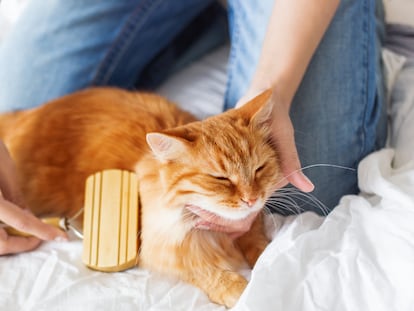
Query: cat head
{"points": [[225, 164]]}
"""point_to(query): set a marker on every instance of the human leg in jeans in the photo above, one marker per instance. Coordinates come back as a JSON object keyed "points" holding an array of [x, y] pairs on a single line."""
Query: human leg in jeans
{"points": [[337, 112], [58, 47]]}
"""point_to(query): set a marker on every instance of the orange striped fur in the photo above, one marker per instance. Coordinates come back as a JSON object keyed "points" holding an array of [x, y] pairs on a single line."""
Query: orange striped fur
{"points": [[218, 164]]}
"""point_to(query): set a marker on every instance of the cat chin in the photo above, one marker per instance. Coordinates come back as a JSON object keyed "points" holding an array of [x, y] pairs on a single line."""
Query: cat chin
{"points": [[238, 214], [231, 214]]}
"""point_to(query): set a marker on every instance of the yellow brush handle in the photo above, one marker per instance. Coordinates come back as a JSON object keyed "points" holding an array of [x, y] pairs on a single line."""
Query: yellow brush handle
{"points": [[54, 221]]}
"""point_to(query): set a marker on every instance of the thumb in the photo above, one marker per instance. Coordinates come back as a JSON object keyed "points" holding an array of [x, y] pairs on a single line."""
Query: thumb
{"points": [[283, 137]]}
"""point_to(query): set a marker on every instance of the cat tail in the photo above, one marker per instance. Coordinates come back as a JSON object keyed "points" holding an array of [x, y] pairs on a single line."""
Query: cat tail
{"points": [[7, 121]]}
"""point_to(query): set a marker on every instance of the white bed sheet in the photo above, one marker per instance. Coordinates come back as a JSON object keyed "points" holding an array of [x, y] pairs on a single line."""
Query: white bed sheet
{"points": [[53, 277], [360, 257]]}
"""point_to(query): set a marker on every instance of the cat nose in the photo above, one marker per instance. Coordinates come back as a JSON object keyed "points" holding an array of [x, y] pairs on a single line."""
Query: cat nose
{"points": [[249, 201]]}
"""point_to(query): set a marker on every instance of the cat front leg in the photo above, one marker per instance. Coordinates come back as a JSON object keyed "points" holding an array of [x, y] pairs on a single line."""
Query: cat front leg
{"points": [[210, 263], [210, 271], [221, 286], [253, 243]]}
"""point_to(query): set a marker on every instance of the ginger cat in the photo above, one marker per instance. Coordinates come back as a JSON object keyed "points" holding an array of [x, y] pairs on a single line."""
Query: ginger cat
{"points": [[224, 164]]}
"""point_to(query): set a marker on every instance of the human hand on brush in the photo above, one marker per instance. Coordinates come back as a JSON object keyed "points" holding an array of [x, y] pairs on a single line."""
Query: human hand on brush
{"points": [[13, 214]]}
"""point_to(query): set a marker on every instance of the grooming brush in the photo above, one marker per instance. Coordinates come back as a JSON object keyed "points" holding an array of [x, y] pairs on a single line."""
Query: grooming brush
{"points": [[110, 221]]}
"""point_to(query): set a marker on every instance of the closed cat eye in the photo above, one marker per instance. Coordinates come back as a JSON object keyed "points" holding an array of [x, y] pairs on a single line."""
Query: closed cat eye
{"points": [[220, 177], [260, 168]]}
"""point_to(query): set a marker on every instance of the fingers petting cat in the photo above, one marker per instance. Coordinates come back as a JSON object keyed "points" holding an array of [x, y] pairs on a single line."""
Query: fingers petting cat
{"points": [[234, 228]]}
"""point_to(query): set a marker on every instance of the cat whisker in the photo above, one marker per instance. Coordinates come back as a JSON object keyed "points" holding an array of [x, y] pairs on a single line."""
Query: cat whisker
{"points": [[296, 210], [317, 203], [266, 210], [302, 197], [315, 165], [298, 194], [285, 196], [285, 204]]}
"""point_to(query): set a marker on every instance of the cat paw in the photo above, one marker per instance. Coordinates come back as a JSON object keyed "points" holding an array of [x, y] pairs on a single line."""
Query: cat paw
{"points": [[228, 289]]}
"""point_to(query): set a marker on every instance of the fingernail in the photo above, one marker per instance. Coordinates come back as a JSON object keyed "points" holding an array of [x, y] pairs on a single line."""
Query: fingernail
{"points": [[310, 183]]}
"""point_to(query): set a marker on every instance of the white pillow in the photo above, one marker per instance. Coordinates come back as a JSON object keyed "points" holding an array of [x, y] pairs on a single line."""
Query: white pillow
{"points": [[399, 12]]}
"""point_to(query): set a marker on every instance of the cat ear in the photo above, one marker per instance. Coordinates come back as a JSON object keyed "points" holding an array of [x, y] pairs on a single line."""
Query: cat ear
{"points": [[259, 109], [165, 147]]}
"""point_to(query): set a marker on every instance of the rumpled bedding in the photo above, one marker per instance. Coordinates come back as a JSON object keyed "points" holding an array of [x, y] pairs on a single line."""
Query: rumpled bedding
{"points": [[359, 257]]}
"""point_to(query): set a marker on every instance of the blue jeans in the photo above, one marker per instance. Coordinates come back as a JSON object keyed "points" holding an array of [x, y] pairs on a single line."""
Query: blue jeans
{"points": [[62, 46]]}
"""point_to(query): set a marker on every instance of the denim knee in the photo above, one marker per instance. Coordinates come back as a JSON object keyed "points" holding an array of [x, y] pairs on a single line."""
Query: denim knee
{"points": [[338, 112], [58, 47]]}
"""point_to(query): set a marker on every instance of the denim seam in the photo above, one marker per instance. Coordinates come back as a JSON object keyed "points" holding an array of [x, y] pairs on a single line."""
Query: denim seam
{"points": [[365, 80], [122, 42], [232, 56]]}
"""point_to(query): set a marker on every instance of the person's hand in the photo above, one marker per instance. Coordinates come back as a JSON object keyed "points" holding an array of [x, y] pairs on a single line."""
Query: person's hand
{"points": [[12, 214], [284, 141], [209, 221]]}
